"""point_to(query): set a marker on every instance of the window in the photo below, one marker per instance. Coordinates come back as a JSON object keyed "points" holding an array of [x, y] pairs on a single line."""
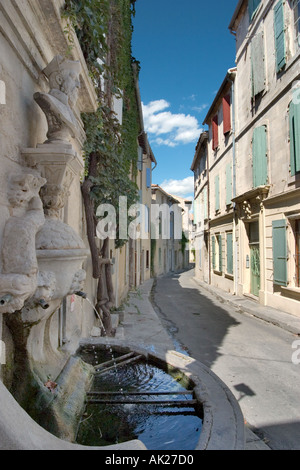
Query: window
{"points": [[296, 8], [215, 132], [252, 8], [259, 156], [226, 114], [147, 259], [229, 249], [279, 36], [279, 252], [294, 115]]}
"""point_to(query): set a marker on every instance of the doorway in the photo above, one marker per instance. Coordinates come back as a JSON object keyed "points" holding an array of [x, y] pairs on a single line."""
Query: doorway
{"points": [[254, 258]]}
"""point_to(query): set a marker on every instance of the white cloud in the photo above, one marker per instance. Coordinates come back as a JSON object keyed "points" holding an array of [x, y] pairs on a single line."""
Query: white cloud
{"points": [[178, 128], [181, 188]]}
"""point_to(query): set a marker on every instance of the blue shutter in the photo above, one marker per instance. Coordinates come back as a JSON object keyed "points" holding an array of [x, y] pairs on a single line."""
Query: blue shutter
{"points": [[258, 64], [279, 252], [252, 7], [294, 114], [220, 253], [217, 193], [205, 203], [213, 250], [229, 242], [259, 155], [228, 184], [279, 36], [140, 159], [148, 177]]}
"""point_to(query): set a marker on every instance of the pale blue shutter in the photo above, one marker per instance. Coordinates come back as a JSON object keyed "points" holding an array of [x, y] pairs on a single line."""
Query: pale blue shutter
{"points": [[229, 247], [295, 137], [205, 203], [259, 155], [279, 36], [140, 159], [148, 177], [228, 184], [252, 7], [220, 253], [217, 193], [258, 64], [279, 252], [213, 250]]}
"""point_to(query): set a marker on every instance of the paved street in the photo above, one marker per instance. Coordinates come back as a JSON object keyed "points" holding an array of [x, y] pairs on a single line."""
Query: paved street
{"points": [[253, 357]]}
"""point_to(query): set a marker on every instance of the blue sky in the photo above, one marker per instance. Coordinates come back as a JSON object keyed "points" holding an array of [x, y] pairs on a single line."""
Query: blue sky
{"points": [[185, 49]]}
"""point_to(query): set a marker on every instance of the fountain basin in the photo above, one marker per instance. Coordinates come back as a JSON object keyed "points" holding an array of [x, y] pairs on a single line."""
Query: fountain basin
{"points": [[222, 420], [64, 264], [222, 424]]}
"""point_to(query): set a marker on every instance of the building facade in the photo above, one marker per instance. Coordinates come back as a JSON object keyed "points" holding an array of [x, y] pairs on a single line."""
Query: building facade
{"points": [[254, 234]]}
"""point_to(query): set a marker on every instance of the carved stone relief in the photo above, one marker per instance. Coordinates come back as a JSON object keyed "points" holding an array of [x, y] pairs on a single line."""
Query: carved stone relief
{"points": [[18, 280]]}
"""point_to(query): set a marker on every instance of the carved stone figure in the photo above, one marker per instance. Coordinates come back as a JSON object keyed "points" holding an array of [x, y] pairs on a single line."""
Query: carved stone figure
{"points": [[18, 280], [59, 103]]}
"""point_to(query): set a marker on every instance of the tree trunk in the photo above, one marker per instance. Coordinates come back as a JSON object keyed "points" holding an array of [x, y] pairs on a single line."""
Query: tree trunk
{"points": [[101, 266]]}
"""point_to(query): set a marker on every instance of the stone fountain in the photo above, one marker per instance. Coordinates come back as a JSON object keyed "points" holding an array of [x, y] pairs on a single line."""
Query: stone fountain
{"points": [[42, 256]]}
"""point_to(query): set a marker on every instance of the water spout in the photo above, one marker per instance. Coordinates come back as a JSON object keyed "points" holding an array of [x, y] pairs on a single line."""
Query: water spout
{"points": [[43, 304], [6, 299], [81, 294]]}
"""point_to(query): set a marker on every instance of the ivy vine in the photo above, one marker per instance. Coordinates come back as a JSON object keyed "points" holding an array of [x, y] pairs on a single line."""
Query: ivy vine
{"points": [[104, 30]]}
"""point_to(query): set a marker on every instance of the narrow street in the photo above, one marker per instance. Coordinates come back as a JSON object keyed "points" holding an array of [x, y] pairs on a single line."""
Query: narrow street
{"points": [[252, 357]]}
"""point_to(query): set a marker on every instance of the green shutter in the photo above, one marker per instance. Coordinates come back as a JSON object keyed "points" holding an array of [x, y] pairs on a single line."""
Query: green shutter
{"points": [[213, 249], [279, 36], [252, 7], [258, 64], [229, 246], [279, 252], [205, 203], [217, 193], [259, 155], [228, 184], [220, 253], [295, 137]]}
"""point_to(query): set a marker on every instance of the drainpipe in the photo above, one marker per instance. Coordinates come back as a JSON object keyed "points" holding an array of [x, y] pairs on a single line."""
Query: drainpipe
{"points": [[235, 267]]}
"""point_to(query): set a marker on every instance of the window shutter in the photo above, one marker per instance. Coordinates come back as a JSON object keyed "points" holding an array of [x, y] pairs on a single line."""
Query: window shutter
{"points": [[252, 7], [226, 114], [258, 64], [205, 203], [215, 131], [220, 253], [229, 242], [294, 115], [217, 193], [279, 252], [140, 159], [259, 155], [213, 248], [279, 36], [148, 177], [228, 184]]}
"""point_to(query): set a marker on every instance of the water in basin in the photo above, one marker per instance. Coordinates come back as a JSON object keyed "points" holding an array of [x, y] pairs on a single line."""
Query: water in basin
{"points": [[158, 426]]}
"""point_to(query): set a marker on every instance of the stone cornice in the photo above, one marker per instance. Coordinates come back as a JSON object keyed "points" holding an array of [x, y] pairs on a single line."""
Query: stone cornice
{"points": [[35, 31]]}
